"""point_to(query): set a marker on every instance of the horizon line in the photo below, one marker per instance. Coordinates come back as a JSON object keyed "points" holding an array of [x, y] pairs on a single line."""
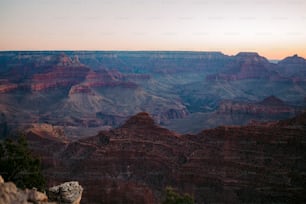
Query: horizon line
{"points": [[143, 50]]}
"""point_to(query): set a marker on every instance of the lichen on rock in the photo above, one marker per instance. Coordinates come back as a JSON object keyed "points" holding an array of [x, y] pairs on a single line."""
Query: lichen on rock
{"points": [[66, 193]]}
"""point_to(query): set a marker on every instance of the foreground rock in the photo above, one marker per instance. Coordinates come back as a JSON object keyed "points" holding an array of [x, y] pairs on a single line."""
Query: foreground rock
{"points": [[66, 193], [9, 193]]}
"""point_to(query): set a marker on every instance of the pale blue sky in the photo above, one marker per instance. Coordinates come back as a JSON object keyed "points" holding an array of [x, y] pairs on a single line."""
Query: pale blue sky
{"points": [[272, 28]]}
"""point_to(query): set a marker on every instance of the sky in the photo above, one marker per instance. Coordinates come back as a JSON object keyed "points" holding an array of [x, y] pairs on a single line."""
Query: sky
{"points": [[273, 28]]}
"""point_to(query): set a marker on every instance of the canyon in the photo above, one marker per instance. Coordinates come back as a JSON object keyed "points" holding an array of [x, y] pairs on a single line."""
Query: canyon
{"points": [[82, 92], [128, 124], [134, 163]]}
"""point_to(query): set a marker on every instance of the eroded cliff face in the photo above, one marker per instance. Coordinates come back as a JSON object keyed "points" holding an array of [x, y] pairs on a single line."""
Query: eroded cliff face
{"points": [[60, 77], [41, 73], [41, 87], [134, 163], [245, 65], [62, 72], [270, 106], [293, 66], [103, 78]]}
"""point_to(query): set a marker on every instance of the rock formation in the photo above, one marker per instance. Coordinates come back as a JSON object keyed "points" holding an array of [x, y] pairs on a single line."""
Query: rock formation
{"points": [[246, 65], [83, 92], [10, 194], [66, 193], [134, 163], [270, 106], [294, 67]]}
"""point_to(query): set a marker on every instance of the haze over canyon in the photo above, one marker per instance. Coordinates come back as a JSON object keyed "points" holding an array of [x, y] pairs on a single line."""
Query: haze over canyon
{"points": [[78, 93]]}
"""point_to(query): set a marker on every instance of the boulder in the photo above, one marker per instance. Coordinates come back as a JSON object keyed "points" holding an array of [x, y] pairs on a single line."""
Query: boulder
{"points": [[66, 193]]}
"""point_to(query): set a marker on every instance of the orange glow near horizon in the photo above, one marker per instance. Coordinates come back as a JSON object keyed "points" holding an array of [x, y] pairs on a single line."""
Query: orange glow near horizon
{"points": [[273, 54], [274, 29]]}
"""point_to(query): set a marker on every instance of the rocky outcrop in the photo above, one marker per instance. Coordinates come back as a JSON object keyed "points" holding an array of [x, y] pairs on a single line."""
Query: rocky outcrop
{"points": [[80, 89], [47, 131], [66, 193], [64, 60], [9, 193]]}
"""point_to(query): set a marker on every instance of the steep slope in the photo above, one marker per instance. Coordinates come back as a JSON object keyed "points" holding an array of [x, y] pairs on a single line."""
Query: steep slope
{"points": [[135, 162]]}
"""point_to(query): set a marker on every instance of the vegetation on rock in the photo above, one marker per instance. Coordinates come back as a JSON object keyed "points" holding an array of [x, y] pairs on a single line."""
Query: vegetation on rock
{"points": [[19, 165], [173, 197]]}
